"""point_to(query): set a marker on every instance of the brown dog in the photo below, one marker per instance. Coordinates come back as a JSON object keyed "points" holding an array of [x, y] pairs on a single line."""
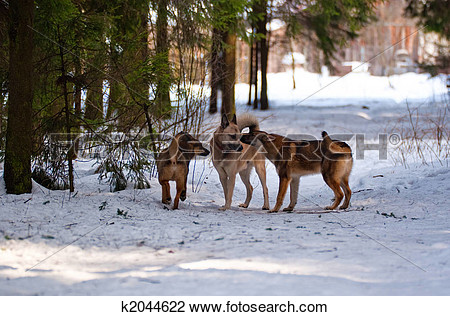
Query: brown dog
{"points": [[294, 159], [231, 157], [173, 165]]}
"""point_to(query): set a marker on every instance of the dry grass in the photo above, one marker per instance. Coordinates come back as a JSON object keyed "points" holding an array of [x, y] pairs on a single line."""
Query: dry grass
{"points": [[425, 134]]}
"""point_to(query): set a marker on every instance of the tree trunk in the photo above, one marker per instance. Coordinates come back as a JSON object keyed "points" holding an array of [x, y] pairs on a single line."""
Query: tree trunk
{"points": [[163, 106], [77, 101], [67, 110], [255, 99], [228, 106], [216, 64], [94, 93], [250, 76], [17, 172], [264, 56], [291, 48], [2, 101]]}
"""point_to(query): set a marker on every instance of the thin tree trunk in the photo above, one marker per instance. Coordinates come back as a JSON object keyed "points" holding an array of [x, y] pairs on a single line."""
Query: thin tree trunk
{"points": [[216, 63], [264, 56], [94, 94], [77, 101], [162, 48], [291, 48], [250, 76], [255, 99], [17, 172], [228, 105], [70, 151], [2, 101]]}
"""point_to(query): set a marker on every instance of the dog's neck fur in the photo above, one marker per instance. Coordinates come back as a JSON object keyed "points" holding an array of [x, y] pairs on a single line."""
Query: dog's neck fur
{"points": [[176, 154]]}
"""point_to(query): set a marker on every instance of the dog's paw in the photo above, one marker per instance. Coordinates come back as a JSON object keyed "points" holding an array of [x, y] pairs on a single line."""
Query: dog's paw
{"points": [[183, 196], [223, 208], [265, 208], [273, 211], [343, 207], [288, 209], [167, 201], [329, 207], [243, 205]]}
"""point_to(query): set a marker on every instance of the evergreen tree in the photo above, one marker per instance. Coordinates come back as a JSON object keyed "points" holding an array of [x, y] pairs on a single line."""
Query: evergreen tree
{"points": [[17, 172]]}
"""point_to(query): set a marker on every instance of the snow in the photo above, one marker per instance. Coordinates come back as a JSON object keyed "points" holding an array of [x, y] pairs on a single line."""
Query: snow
{"points": [[298, 59], [394, 239], [353, 89]]}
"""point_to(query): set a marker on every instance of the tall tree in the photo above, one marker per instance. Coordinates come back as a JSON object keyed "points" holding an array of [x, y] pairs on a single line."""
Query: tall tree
{"points": [[229, 79], [162, 50], [17, 172], [4, 22], [225, 21], [216, 65], [264, 49], [128, 36]]}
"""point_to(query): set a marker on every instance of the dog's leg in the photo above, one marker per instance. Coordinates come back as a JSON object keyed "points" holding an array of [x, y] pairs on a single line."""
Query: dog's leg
{"points": [[165, 188], [224, 181], [294, 194], [260, 168], [338, 195], [180, 185], [183, 192], [284, 183], [230, 189], [245, 176], [347, 192]]}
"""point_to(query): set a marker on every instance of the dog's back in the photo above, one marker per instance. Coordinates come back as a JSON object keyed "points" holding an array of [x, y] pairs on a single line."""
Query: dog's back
{"points": [[294, 159]]}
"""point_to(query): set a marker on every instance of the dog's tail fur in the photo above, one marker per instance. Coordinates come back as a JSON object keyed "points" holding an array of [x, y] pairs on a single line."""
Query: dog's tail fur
{"points": [[247, 120], [330, 146], [326, 139]]}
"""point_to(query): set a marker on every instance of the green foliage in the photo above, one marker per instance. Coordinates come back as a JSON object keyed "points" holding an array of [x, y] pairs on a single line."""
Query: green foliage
{"points": [[50, 167], [228, 15], [124, 162], [328, 23], [433, 14]]}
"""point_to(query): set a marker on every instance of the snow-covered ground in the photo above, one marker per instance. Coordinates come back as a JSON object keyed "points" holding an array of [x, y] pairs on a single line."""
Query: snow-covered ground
{"points": [[394, 240]]}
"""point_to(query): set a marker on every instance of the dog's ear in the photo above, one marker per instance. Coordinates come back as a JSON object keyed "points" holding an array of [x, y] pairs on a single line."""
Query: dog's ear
{"points": [[225, 121], [234, 119]]}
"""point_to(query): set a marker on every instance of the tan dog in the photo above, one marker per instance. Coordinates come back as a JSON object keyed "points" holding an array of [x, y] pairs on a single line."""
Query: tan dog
{"points": [[231, 157], [173, 165], [294, 159]]}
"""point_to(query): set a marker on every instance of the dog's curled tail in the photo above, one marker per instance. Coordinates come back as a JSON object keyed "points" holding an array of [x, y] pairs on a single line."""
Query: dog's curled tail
{"points": [[247, 120], [332, 146]]}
